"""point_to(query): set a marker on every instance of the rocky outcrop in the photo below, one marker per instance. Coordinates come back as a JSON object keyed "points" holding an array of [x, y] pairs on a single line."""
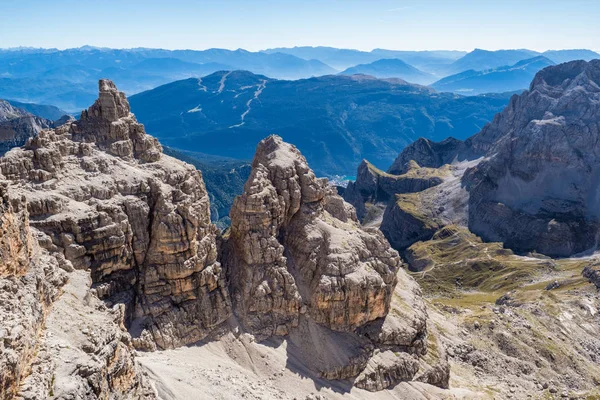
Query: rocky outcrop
{"points": [[538, 189], [297, 247], [93, 209], [29, 281], [405, 221], [111, 202], [592, 273], [18, 125], [427, 153], [375, 186], [301, 265]]}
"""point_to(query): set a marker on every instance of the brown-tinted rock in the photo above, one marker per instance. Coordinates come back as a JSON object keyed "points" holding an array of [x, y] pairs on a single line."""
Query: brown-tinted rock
{"points": [[290, 251], [30, 280], [111, 202]]}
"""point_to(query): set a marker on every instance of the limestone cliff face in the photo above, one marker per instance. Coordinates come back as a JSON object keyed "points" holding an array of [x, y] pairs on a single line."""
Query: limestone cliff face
{"points": [[539, 188], [301, 265], [29, 282], [110, 201], [297, 247]]}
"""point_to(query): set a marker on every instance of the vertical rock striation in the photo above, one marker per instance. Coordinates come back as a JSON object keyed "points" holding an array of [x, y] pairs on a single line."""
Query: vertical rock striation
{"points": [[97, 202], [111, 202], [29, 281], [301, 265], [296, 247]]}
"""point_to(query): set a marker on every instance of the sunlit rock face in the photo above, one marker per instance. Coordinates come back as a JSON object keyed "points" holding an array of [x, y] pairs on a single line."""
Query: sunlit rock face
{"points": [[297, 247], [110, 201]]}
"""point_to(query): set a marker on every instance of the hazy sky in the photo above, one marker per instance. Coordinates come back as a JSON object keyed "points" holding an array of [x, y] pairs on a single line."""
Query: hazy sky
{"points": [[259, 24]]}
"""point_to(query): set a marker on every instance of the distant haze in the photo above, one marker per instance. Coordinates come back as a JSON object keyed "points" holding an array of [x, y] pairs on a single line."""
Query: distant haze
{"points": [[394, 24]]}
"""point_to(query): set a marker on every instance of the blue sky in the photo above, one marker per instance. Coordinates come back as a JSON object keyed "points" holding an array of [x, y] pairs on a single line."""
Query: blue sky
{"points": [[259, 24]]}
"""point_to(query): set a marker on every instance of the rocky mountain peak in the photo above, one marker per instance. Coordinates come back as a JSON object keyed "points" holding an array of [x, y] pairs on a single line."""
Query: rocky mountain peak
{"points": [[110, 105], [557, 79], [544, 147], [110, 125]]}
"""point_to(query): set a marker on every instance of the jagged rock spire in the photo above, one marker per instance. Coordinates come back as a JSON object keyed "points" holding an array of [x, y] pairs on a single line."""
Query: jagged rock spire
{"points": [[110, 124], [298, 247], [110, 105]]}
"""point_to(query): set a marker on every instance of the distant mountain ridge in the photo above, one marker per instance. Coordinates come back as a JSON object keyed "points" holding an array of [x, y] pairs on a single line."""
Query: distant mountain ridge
{"points": [[426, 60], [391, 68], [67, 78], [506, 78], [335, 120], [480, 60]]}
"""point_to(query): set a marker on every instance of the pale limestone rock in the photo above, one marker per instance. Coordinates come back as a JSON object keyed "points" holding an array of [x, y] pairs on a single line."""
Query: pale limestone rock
{"points": [[111, 202], [30, 280], [289, 251]]}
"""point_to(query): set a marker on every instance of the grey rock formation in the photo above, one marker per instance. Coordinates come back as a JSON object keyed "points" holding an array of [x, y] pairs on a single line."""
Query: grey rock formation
{"points": [[29, 281], [592, 273], [18, 125], [375, 186], [93, 210], [538, 188], [427, 153]]}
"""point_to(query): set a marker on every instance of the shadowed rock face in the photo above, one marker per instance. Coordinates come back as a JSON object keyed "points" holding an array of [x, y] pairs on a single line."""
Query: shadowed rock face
{"points": [[535, 190], [538, 190], [301, 265], [375, 186], [17, 125]]}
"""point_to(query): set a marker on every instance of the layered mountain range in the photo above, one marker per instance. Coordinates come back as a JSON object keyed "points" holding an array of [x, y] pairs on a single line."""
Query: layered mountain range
{"points": [[501, 79], [98, 223], [67, 78], [117, 284]]}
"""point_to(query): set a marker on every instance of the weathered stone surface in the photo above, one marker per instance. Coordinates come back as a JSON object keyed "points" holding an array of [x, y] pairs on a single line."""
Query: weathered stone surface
{"points": [[29, 281], [96, 200], [110, 202], [17, 125], [385, 369], [297, 246], [405, 221], [405, 326], [301, 265], [538, 188]]}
